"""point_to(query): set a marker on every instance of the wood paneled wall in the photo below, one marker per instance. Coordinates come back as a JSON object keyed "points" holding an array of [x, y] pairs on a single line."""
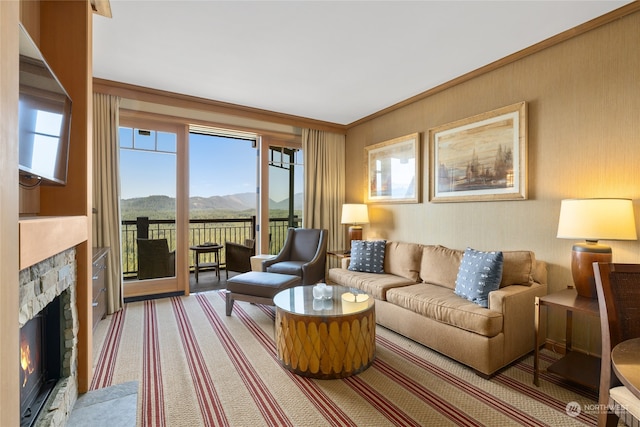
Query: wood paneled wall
{"points": [[9, 299], [584, 141]]}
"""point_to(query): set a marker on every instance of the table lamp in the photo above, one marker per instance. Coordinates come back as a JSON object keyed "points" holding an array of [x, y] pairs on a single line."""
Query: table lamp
{"points": [[355, 214], [593, 220]]}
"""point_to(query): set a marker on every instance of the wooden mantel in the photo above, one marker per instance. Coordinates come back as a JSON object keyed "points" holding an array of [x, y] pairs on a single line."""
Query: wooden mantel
{"points": [[43, 237]]}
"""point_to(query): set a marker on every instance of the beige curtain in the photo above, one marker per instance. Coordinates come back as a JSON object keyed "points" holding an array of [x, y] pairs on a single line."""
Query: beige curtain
{"points": [[106, 192], [324, 183]]}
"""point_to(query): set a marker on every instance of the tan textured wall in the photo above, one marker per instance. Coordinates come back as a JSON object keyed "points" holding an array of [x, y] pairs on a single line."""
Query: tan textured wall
{"points": [[584, 141]]}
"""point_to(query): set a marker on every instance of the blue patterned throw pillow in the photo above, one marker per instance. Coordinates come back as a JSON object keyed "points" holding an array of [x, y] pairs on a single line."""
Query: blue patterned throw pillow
{"points": [[367, 256], [479, 274]]}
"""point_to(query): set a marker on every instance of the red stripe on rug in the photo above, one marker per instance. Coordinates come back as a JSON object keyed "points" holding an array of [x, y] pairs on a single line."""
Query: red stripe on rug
{"points": [[208, 398], [152, 413], [473, 391], [424, 394], [534, 393], [103, 376], [265, 401], [378, 401], [435, 402], [325, 405]]}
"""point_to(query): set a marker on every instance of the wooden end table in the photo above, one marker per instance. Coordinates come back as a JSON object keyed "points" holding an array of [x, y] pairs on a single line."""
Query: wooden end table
{"points": [[578, 367], [204, 249], [322, 338]]}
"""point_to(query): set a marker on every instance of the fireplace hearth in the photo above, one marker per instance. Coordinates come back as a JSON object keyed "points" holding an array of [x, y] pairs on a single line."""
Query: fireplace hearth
{"points": [[40, 360]]}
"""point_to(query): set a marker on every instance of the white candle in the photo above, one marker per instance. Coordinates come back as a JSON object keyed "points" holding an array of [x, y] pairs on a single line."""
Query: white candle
{"points": [[352, 303]]}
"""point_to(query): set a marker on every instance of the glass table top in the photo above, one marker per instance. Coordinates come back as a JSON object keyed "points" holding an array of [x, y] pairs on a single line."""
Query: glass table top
{"points": [[343, 300]]}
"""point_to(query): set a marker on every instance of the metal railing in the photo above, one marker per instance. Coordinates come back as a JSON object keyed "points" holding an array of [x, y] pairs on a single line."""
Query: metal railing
{"points": [[217, 230]]}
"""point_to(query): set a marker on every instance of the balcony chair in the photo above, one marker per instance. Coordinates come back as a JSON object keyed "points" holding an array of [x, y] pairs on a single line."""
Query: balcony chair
{"points": [[304, 255], [154, 259], [238, 257], [618, 290]]}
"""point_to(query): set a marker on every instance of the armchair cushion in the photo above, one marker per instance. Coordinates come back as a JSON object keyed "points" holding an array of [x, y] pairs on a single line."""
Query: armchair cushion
{"points": [[287, 267]]}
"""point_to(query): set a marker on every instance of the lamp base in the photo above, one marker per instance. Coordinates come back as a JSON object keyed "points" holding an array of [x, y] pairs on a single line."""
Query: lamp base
{"points": [[355, 233], [583, 256]]}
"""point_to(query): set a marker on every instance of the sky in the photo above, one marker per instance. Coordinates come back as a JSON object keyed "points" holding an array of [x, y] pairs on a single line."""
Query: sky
{"points": [[218, 166]]}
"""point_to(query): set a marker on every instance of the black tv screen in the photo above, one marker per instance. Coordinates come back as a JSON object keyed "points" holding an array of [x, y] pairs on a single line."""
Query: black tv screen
{"points": [[44, 118]]}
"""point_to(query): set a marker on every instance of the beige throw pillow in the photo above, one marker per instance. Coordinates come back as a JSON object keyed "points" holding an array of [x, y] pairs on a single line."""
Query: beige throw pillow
{"points": [[440, 265], [517, 268], [403, 259]]}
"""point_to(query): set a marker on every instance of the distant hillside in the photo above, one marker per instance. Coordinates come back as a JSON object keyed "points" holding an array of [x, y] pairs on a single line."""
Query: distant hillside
{"points": [[155, 206]]}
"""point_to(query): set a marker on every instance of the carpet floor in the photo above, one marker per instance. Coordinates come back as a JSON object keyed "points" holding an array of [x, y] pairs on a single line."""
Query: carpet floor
{"points": [[197, 367]]}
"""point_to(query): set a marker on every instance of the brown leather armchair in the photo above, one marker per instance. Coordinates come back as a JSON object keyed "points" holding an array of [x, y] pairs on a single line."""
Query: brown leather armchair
{"points": [[304, 254], [238, 257], [155, 260]]}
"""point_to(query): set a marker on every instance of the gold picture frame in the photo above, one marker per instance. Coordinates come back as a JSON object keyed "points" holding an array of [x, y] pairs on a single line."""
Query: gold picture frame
{"points": [[392, 170], [481, 158]]}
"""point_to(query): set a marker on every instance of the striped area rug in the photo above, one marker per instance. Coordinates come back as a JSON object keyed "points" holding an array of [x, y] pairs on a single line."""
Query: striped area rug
{"points": [[197, 367]]}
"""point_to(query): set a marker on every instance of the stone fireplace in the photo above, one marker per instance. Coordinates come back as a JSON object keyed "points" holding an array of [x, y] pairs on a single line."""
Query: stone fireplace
{"points": [[48, 297]]}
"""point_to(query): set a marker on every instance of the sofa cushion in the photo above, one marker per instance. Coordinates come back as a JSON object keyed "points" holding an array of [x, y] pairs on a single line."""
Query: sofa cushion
{"points": [[403, 259], [441, 304], [374, 284], [479, 273], [440, 265], [518, 268], [367, 256]]}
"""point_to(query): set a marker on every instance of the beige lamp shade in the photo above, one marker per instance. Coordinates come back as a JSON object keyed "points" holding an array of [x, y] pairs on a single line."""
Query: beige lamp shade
{"points": [[593, 220], [597, 219], [355, 214]]}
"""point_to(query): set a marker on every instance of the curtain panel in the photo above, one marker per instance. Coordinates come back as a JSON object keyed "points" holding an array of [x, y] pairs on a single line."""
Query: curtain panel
{"points": [[106, 192], [324, 183]]}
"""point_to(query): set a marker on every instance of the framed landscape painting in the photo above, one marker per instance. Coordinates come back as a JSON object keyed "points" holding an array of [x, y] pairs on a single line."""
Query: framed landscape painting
{"points": [[481, 158], [392, 170]]}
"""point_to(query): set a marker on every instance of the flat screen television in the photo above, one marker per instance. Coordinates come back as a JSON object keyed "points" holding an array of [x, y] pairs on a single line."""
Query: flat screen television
{"points": [[44, 118]]}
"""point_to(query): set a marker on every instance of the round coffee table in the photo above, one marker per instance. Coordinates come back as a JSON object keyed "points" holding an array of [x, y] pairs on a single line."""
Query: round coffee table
{"points": [[325, 339]]}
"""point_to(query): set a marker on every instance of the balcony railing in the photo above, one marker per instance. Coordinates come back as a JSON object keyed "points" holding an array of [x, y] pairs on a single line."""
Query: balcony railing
{"points": [[200, 231]]}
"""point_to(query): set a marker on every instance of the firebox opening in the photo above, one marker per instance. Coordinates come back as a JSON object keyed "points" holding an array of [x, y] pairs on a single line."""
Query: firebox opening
{"points": [[40, 360]]}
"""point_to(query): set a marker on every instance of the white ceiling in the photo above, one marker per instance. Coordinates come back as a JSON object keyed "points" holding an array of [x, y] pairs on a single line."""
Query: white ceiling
{"points": [[336, 61]]}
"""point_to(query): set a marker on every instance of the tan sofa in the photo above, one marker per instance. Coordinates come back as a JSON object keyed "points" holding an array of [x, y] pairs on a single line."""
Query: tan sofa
{"points": [[415, 297]]}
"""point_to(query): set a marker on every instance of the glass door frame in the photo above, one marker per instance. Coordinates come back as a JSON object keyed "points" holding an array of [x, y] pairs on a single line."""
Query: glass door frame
{"points": [[180, 282], [265, 142]]}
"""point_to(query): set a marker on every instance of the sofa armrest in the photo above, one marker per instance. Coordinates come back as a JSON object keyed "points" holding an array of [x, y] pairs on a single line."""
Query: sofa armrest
{"points": [[517, 305], [513, 296], [345, 262]]}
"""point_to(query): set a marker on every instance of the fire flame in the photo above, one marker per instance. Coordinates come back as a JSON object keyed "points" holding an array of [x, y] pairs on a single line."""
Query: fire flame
{"points": [[25, 362]]}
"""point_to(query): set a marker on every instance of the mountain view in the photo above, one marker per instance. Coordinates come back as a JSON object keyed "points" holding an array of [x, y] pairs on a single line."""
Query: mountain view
{"points": [[234, 205]]}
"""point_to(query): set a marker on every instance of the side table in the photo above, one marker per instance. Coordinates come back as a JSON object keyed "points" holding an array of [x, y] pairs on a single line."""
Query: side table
{"points": [[204, 249], [339, 255], [578, 367]]}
